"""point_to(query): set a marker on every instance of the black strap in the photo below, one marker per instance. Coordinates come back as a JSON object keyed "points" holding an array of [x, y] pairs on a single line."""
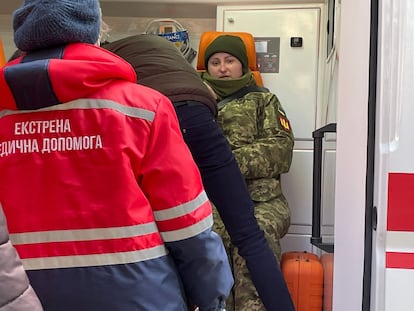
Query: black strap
{"points": [[240, 93]]}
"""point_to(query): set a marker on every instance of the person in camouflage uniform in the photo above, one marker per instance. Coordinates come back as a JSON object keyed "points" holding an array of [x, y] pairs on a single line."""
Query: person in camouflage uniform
{"points": [[260, 135], [160, 65]]}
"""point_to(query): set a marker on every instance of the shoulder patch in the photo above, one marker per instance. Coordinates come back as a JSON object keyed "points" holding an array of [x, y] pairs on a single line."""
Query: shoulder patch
{"points": [[284, 122]]}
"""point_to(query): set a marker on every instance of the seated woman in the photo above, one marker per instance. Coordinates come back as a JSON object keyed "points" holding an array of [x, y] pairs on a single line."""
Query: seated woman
{"points": [[260, 135]]}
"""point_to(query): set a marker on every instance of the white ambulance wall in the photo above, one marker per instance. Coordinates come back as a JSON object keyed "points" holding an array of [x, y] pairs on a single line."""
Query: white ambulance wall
{"points": [[393, 288], [351, 158]]}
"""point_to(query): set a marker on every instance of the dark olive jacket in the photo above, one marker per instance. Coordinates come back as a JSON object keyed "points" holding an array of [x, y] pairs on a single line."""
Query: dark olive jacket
{"points": [[158, 63]]}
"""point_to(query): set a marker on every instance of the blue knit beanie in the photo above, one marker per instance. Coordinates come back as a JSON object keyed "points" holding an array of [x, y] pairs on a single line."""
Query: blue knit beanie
{"points": [[40, 24]]}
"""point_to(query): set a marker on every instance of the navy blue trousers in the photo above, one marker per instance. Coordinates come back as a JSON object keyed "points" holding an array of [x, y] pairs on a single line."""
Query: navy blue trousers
{"points": [[226, 188]]}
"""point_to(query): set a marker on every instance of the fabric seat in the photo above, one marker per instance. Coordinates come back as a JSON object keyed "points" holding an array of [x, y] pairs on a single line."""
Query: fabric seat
{"points": [[248, 39]]}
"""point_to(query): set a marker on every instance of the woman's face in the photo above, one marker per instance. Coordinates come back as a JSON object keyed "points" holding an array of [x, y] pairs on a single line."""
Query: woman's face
{"points": [[224, 66]]}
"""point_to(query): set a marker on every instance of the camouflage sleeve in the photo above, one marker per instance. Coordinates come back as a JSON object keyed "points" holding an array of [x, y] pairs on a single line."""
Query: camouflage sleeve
{"points": [[270, 154]]}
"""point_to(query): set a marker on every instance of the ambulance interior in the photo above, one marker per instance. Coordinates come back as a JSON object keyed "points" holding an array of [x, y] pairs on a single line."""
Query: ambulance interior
{"points": [[297, 45], [295, 58]]}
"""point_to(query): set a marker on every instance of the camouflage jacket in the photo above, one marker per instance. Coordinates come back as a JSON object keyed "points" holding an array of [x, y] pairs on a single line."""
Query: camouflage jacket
{"points": [[261, 137]]}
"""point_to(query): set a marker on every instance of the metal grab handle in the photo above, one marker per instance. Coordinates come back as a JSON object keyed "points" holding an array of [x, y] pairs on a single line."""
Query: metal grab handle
{"points": [[318, 136]]}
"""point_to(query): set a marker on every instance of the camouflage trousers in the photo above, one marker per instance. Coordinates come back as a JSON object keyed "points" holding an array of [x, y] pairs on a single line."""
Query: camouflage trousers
{"points": [[274, 219]]}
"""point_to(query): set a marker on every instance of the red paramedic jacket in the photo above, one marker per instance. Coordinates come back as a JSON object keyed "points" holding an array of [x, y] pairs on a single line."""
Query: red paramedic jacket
{"points": [[104, 203]]}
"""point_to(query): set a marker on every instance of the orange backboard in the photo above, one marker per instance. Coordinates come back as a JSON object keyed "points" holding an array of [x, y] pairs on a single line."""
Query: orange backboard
{"points": [[2, 56]]}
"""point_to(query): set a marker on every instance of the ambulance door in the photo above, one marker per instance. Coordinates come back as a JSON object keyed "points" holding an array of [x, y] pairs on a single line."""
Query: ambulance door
{"points": [[393, 243]]}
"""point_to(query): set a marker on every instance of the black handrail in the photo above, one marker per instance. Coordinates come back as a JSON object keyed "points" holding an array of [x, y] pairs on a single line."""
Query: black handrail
{"points": [[318, 136]]}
